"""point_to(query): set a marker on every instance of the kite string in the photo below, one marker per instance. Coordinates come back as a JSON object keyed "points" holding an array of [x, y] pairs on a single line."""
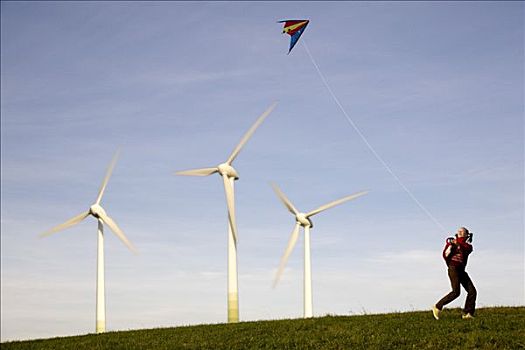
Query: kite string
{"points": [[365, 140]]}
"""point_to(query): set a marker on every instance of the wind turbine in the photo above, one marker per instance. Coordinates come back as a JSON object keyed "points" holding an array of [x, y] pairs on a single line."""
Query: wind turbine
{"points": [[99, 213], [229, 175], [302, 219]]}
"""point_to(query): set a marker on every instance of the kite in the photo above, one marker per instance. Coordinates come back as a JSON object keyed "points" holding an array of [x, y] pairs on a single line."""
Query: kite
{"points": [[295, 29]]}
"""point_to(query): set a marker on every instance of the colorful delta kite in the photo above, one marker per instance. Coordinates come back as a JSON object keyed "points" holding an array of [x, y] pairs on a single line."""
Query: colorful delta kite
{"points": [[295, 29]]}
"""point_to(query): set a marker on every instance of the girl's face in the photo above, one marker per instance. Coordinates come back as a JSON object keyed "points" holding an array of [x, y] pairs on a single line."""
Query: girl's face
{"points": [[462, 232]]}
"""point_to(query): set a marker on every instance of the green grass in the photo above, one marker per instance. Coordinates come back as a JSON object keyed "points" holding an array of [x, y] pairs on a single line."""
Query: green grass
{"points": [[493, 328]]}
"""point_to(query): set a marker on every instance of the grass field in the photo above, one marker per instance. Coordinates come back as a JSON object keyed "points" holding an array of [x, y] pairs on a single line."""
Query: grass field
{"points": [[493, 328]]}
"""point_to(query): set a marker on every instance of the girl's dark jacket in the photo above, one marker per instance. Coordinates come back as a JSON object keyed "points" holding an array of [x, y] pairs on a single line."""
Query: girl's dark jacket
{"points": [[456, 255]]}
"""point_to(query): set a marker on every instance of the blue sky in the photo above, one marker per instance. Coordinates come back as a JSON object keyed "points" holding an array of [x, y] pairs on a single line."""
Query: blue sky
{"points": [[437, 88]]}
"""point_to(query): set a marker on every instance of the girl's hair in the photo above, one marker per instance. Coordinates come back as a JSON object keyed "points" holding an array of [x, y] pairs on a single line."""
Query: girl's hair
{"points": [[466, 230]]}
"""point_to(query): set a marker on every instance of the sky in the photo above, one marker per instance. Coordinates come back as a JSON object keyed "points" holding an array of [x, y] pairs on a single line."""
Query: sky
{"points": [[437, 88]]}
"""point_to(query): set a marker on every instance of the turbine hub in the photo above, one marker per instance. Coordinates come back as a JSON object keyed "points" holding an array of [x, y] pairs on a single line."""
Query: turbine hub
{"points": [[228, 170], [303, 220], [97, 211]]}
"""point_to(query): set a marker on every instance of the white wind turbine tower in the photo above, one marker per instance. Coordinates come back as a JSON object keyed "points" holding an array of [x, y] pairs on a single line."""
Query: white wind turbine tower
{"points": [[229, 175], [302, 219], [99, 213]]}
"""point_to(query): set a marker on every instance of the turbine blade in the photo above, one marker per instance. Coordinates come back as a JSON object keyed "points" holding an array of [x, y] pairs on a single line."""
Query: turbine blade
{"points": [[73, 221], [106, 178], [284, 199], [250, 132], [118, 232], [287, 252], [197, 172], [337, 202], [230, 201]]}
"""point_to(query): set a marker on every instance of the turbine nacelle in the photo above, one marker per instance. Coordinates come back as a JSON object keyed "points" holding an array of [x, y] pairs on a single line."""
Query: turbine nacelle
{"points": [[303, 220], [97, 211], [228, 170]]}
